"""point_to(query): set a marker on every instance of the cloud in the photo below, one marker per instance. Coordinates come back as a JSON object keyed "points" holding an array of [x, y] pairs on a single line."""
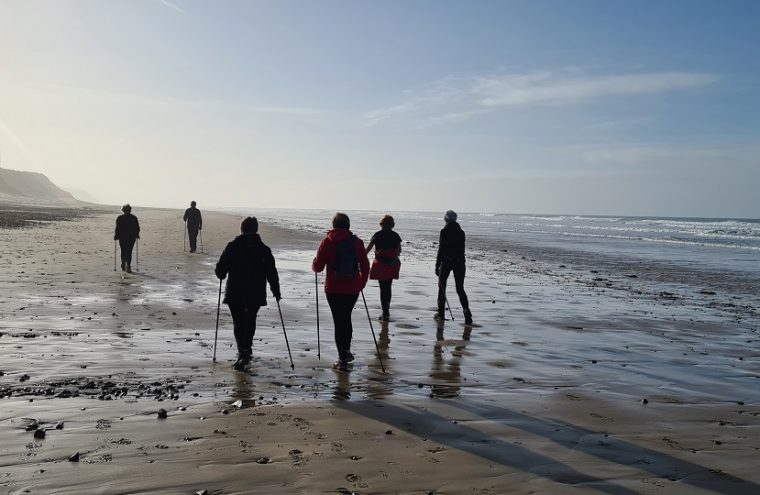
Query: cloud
{"points": [[456, 99], [545, 88], [174, 7]]}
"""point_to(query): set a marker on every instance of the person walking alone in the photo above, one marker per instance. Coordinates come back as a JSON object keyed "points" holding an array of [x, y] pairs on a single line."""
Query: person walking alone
{"points": [[194, 223], [127, 232], [343, 255], [386, 265], [250, 265], [451, 258]]}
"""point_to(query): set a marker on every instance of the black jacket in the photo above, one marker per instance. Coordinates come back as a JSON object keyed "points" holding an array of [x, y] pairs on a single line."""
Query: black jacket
{"points": [[250, 265], [450, 245], [193, 218], [127, 227]]}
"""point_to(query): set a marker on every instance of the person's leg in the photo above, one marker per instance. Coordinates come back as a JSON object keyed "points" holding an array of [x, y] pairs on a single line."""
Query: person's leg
{"points": [[385, 297], [126, 252], [341, 306], [192, 234], [442, 278], [459, 273], [123, 254], [244, 327]]}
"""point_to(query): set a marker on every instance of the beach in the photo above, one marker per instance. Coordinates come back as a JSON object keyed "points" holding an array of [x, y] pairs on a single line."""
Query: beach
{"points": [[591, 377]]}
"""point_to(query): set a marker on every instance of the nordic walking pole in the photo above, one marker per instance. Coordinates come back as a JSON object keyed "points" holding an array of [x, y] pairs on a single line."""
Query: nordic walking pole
{"points": [[184, 238], [114, 255], [373, 332], [285, 334], [218, 305], [137, 256], [201, 233], [316, 297]]}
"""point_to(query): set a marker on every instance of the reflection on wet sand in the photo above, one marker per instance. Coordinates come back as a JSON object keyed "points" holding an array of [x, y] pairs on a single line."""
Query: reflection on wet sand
{"points": [[446, 374], [379, 383]]}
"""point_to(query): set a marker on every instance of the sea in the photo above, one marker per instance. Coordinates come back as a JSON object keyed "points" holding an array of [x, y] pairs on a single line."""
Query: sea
{"points": [[689, 250]]}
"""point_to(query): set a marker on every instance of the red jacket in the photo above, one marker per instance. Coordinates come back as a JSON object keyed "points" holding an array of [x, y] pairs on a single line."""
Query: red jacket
{"points": [[326, 258]]}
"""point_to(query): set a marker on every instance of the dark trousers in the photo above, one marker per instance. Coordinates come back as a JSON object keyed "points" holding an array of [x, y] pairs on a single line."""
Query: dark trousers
{"points": [[192, 235], [244, 324], [341, 306], [385, 295], [126, 246], [459, 271]]}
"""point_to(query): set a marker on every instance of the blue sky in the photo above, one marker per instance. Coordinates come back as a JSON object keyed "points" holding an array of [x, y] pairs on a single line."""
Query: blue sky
{"points": [[596, 107]]}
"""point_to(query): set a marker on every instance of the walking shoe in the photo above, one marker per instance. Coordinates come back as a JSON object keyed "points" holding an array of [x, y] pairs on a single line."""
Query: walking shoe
{"points": [[349, 357], [384, 317], [467, 317], [341, 365], [129, 268], [123, 266], [440, 315], [241, 363]]}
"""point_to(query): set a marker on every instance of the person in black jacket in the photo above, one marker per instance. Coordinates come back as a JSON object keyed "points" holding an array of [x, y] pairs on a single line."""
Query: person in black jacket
{"points": [[194, 223], [451, 258], [250, 265], [127, 232]]}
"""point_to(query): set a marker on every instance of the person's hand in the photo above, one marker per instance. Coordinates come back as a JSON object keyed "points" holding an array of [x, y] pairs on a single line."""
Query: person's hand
{"points": [[277, 297], [115, 238], [437, 272], [200, 228]]}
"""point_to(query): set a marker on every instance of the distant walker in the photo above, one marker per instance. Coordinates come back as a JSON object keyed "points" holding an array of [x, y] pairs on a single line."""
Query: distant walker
{"points": [[194, 223], [451, 258], [127, 232]]}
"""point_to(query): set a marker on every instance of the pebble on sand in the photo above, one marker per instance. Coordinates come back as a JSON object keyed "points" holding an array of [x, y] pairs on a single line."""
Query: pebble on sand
{"points": [[74, 457], [162, 414], [39, 433]]}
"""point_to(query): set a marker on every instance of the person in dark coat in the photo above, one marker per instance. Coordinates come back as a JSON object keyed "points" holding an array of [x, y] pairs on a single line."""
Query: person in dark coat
{"points": [[250, 265], [127, 232], [386, 265], [344, 257], [451, 258], [194, 223]]}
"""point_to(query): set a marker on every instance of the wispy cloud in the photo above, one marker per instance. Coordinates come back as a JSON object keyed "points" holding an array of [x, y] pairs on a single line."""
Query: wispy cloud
{"points": [[173, 6], [458, 99], [546, 88]]}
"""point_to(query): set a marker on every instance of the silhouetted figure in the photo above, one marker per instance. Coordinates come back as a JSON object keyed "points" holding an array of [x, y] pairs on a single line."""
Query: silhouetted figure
{"points": [[194, 222], [386, 265], [250, 265], [343, 254], [451, 258], [127, 232]]}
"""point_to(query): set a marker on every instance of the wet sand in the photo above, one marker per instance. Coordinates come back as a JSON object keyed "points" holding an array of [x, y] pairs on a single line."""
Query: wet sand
{"points": [[567, 383]]}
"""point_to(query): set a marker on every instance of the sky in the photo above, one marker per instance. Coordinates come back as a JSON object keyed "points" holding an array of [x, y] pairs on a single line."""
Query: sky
{"points": [[548, 106]]}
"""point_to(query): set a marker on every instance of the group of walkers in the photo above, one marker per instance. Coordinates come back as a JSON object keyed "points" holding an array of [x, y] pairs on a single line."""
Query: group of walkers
{"points": [[248, 265]]}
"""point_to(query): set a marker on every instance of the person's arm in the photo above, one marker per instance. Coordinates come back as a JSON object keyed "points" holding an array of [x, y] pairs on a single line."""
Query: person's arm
{"points": [[363, 262], [371, 244], [116, 230], [438, 256], [184, 217], [273, 277], [223, 265], [137, 226], [320, 260]]}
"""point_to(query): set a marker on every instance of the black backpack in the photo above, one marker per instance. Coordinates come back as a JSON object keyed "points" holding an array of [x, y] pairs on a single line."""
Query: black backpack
{"points": [[346, 261]]}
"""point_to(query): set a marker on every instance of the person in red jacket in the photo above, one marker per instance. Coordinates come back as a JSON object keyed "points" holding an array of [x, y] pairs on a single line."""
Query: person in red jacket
{"points": [[344, 257], [386, 265]]}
